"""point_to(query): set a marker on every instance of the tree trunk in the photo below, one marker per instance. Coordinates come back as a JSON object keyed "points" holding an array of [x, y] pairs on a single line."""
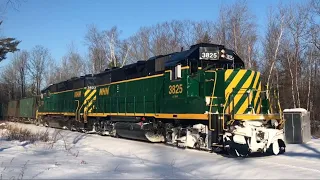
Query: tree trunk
{"points": [[292, 84], [275, 54], [297, 86], [309, 80]]}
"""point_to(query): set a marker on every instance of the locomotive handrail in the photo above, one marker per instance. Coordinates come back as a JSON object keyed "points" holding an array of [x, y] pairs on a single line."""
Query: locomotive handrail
{"points": [[125, 105], [212, 95], [155, 104], [77, 109], [280, 111], [224, 108], [144, 105]]}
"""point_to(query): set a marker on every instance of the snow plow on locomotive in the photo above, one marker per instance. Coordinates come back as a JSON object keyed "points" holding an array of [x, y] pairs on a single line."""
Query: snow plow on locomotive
{"points": [[201, 98]]}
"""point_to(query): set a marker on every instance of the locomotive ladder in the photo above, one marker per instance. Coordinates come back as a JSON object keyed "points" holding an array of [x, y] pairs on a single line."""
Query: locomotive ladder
{"points": [[211, 101], [215, 119]]}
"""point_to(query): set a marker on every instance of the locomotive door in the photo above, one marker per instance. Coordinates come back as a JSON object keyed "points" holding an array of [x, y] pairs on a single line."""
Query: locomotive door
{"points": [[174, 90]]}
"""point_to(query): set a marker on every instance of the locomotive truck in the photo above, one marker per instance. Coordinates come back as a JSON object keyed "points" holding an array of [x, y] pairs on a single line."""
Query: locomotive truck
{"points": [[202, 98]]}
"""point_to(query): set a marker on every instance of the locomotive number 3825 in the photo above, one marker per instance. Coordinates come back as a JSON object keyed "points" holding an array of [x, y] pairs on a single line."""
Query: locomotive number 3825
{"points": [[175, 89]]}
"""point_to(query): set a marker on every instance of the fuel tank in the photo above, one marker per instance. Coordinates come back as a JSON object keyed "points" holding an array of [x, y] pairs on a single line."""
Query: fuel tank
{"points": [[135, 131]]}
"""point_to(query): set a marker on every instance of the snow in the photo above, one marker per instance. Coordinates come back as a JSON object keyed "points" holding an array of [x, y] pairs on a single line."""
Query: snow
{"points": [[82, 156], [299, 110]]}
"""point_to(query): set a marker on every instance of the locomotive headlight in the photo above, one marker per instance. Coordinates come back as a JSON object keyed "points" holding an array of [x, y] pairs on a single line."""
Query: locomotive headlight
{"points": [[222, 53], [275, 123]]}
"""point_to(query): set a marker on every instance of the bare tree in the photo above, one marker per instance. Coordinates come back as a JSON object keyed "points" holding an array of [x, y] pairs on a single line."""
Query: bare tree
{"points": [[311, 62], [11, 4], [166, 38], [124, 50], [288, 57], [314, 31], [315, 35], [236, 29], [106, 49], [220, 28], [298, 25], [96, 42], [187, 29], [276, 27], [74, 62], [160, 39], [315, 4], [39, 58], [9, 79], [50, 74], [20, 61], [114, 47], [140, 45]]}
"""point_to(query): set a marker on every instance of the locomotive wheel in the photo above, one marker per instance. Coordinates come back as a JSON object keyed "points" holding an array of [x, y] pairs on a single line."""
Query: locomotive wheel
{"points": [[197, 145], [282, 147], [276, 148], [37, 122]]}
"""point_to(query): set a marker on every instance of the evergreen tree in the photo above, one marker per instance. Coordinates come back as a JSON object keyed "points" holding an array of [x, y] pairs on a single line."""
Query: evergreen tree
{"points": [[7, 45], [204, 39]]}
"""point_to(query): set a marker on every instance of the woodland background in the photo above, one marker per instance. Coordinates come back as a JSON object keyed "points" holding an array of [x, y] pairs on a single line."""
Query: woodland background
{"points": [[287, 55]]}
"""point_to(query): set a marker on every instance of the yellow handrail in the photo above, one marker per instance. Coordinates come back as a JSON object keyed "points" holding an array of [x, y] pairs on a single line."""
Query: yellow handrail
{"points": [[224, 108], [212, 96], [280, 111], [213, 90], [77, 109]]}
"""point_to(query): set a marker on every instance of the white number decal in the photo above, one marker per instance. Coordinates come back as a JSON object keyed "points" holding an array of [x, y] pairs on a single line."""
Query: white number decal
{"points": [[209, 55]]}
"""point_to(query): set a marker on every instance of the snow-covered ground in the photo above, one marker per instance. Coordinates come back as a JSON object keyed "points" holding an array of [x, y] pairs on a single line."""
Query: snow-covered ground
{"points": [[87, 156]]}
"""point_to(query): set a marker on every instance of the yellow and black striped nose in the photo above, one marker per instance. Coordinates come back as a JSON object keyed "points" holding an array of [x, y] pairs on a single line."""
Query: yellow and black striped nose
{"points": [[237, 84], [90, 96]]}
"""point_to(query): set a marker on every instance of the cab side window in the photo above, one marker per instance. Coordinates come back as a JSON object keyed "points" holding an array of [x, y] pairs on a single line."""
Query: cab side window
{"points": [[194, 67], [176, 72]]}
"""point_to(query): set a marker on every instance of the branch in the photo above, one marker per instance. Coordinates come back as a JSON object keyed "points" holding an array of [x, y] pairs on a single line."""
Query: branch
{"points": [[13, 4]]}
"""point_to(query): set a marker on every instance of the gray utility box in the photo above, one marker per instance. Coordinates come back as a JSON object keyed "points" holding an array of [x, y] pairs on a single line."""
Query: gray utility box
{"points": [[297, 126]]}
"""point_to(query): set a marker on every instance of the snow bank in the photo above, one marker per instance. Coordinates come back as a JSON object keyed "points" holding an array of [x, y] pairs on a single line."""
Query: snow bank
{"points": [[299, 110], [74, 155]]}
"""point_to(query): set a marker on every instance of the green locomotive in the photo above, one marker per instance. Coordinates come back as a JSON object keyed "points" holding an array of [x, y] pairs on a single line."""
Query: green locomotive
{"points": [[200, 98]]}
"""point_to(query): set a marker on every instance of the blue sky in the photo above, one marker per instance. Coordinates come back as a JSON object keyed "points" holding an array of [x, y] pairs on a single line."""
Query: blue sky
{"points": [[56, 23]]}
